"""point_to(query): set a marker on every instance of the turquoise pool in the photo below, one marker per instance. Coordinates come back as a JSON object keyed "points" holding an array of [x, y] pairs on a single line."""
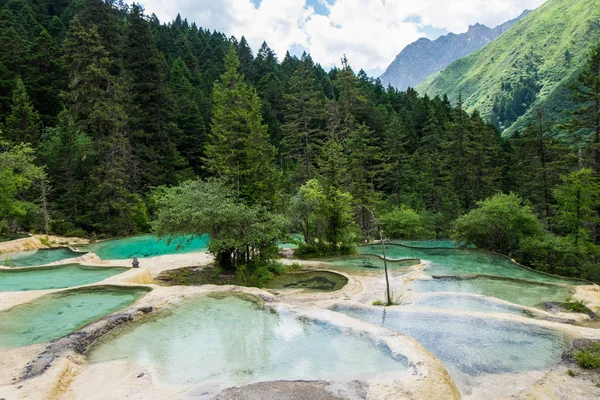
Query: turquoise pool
{"points": [[58, 277], [32, 258], [470, 346], [144, 246], [212, 344], [55, 315]]}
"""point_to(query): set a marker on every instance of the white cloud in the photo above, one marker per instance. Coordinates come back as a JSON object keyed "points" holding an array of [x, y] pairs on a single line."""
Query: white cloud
{"points": [[369, 32]]}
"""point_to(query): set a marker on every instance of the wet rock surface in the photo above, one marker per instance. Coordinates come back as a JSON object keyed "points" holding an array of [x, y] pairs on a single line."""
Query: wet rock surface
{"points": [[556, 308], [80, 341], [295, 390]]}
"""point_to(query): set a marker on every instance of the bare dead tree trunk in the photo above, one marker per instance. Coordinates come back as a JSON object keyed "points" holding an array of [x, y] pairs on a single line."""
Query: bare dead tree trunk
{"points": [[45, 190], [382, 240]]}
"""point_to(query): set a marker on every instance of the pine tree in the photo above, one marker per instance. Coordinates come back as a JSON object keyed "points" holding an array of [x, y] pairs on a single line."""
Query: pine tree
{"points": [[350, 100], [578, 199], [96, 107], [238, 149], [396, 168], [539, 162], [187, 116], [47, 77], [303, 130], [585, 121], [364, 166], [153, 133], [23, 124]]}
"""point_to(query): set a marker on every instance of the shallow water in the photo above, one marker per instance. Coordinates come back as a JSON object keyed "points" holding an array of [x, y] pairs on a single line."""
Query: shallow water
{"points": [[36, 257], [467, 303], [319, 281], [58, 314], [64, 276], [366, 262], [454, 262], [471, 346], [213, 344], [519, 292], [143, 246], [428, 244]]}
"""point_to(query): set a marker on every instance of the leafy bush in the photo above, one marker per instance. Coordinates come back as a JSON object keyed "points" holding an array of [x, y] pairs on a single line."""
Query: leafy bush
{"points": [[590, 357], [577, 306], [405, 223], [322, 249], [558, 255], [257, 274], [498, 224]]}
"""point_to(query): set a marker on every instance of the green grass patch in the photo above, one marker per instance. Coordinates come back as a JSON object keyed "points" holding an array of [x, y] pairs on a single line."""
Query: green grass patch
{"points": [[589, 358]]}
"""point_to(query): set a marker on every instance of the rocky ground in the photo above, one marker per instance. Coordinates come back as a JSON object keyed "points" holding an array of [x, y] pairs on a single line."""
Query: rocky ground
{"points": [[59, 370]]}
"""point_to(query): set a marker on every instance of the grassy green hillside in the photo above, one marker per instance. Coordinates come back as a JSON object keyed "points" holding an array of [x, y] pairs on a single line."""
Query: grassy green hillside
{"points": [[527, 67]]}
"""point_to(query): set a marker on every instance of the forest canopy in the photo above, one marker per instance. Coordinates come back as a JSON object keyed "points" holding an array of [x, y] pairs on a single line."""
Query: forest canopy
{"points": [[104, 110]]}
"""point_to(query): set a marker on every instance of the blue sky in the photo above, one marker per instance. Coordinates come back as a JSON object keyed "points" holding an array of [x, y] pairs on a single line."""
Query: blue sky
{"points": [[369, 32]]}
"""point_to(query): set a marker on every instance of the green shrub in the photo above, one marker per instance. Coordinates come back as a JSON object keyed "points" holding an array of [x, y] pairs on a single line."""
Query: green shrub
{"points": [[45, 241], [558, 255], [321, 249], [405, 223], [590, 357], [576, 306], [294, 267], [257, 274], [499, 223]]}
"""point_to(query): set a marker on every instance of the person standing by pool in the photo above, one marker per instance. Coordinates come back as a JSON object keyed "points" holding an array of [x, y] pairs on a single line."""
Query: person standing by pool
{"points": [[136, 262]]}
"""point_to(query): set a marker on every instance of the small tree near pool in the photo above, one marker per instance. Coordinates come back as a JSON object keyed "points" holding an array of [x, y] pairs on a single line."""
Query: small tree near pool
{"points": [[240, 235], [498, 224]]}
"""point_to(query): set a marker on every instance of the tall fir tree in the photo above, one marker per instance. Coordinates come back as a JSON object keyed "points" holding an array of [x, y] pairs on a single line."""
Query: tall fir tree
{"points": [[96, 106], [238, 149], [23, 124], [154, 134], [303, 129]]}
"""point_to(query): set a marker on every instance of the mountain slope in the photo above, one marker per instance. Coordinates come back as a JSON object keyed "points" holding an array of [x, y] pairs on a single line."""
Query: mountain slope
{"points": [[425, 57], [527, 68]]}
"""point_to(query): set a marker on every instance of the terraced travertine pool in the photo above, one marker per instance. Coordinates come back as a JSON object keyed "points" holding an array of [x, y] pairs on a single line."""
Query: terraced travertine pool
{"points": [[56, 277], [470, 346], [212, 344], [454, 301], [456, 262], [320, 281], [58, 314], [152, 246], [525, 293], [144, 246], [365, 263], [32, 258]]}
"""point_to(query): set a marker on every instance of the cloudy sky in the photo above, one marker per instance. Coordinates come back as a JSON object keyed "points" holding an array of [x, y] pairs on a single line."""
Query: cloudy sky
{"points": [[369, 32]]}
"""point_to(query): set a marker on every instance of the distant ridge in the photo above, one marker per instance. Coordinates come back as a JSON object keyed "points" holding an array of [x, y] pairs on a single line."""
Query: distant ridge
{"points": [[425, 57], [529, 67]]}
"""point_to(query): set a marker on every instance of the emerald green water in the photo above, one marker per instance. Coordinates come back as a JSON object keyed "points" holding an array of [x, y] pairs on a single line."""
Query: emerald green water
{"points": [[428, 244], [55, 315], [64, 276], [519, 292], [320, 281], [455, 262], [467, 303], [212, 344], [144, 246], [295, 237], [470, 346], [365, 262], [36, 257]]}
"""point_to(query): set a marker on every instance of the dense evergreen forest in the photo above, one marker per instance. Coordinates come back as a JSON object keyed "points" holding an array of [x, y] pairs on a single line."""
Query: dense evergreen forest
{"points": [[108, 114]]}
